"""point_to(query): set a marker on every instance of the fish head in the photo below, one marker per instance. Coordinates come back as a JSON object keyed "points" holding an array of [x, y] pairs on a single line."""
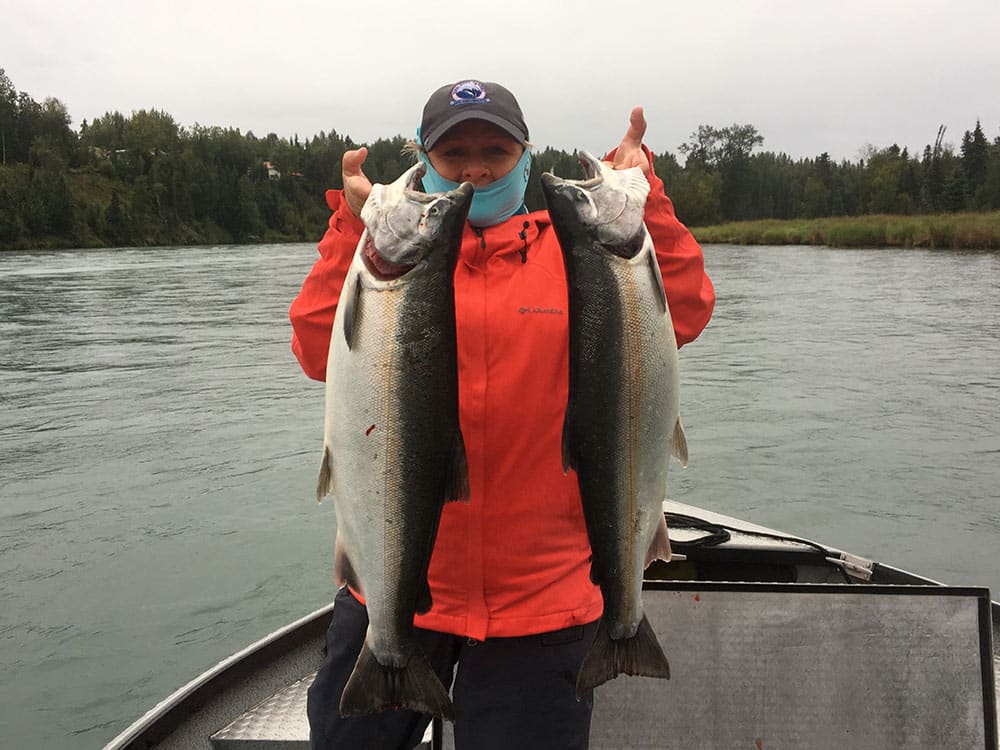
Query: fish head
{"points": [[608, 203], [405, 224]]}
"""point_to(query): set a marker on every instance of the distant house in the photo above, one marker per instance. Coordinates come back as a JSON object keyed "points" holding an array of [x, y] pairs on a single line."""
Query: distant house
{"points": [[272, 172]]}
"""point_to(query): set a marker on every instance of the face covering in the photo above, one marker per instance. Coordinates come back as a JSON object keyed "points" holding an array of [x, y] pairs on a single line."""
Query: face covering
{"points": [[493, 203]]}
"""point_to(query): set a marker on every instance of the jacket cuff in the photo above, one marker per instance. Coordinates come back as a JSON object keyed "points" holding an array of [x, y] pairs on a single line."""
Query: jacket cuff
{"points": [[343, 219]]}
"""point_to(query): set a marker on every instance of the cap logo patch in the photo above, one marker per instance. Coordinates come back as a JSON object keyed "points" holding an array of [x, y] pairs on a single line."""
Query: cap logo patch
{"points": [[468, 92]]}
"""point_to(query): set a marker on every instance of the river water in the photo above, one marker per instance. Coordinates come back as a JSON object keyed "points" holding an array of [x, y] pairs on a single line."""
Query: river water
{"points": [[159, 448]]}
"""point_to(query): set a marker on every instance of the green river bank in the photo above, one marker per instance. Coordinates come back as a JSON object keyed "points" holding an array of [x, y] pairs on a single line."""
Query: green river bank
{"points": [[975, 231]]}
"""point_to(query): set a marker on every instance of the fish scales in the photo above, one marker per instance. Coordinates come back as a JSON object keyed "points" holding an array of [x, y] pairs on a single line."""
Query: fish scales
{"points": [[393, 453], [622, 420], [620, 406]]}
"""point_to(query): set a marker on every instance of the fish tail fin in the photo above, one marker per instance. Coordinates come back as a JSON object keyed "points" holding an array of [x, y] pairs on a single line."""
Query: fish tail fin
{"points": [[607, 658], [679, 443], [373, 687], [325, 483]]}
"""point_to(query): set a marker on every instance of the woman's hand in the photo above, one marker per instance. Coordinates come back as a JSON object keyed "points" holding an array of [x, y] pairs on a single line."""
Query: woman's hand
{"points": [[629, 152], [356, 185]]}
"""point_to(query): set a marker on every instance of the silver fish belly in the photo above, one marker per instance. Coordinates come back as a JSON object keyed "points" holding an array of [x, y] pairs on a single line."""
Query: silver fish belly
{"points": [[622, 417], [393, 452]]}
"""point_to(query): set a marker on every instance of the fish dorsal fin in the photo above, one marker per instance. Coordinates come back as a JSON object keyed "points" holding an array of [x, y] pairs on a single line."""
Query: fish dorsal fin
{"points": [[654, 268], [350, 297], [458, 472], [678, 443], [659, 548]]}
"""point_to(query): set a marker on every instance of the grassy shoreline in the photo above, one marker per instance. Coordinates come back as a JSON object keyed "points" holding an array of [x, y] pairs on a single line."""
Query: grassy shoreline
{"points": [[962, 231]]}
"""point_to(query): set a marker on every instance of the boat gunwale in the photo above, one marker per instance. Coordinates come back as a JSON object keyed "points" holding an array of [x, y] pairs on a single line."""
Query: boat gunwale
{"points": [[174, 709]]}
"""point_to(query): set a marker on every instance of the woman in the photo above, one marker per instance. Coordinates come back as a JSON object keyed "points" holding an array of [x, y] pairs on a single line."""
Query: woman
{"points": [[513, 604]]}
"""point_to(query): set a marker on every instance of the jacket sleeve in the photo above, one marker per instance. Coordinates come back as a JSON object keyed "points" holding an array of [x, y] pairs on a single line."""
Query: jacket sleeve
{"points": [[690, 293], [312, 311]]}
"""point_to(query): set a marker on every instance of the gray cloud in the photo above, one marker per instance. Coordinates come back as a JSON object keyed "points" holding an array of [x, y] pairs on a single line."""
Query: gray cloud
{"points": [[833, 78]]}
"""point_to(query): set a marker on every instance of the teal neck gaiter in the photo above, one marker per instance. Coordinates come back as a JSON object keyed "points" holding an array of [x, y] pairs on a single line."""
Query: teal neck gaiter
{"points": [[493, 203]]}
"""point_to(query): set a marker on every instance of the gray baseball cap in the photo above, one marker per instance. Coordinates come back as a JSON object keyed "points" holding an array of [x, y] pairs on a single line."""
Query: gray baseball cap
{"points": [[471, 100]]}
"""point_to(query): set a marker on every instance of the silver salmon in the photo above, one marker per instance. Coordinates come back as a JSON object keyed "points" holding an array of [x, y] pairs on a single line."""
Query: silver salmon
{"points": [[392, 450], [622, 422]]}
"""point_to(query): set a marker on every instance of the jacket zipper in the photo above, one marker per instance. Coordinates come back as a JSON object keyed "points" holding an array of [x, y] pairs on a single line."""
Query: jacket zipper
{"points": [[479, 233]]}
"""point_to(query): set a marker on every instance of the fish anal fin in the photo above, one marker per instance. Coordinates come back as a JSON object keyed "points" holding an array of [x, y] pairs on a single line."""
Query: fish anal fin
{"points": [[343, 571], [659, 548], [679, 444], [458, 472], [607, 658], [373, 687], [325, 482]]}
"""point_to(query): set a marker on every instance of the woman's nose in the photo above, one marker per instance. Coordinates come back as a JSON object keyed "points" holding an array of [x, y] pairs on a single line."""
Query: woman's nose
{"points": [[475, 170]]}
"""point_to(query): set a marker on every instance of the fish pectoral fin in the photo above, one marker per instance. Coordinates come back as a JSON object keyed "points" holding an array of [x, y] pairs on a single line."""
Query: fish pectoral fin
{"points": [[458, 472], [568, 456], [325, 483], [661, 292], [424, 601], [373, 687], [679, 444], [343, 572], [350, 297], [659, 548], [595, 576]]}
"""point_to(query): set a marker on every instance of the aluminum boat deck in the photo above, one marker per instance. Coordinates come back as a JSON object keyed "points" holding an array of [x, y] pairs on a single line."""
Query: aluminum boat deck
{"points": [[774, 642]]}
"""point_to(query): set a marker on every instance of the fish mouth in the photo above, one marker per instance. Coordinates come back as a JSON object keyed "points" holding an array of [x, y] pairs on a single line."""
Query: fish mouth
{"points": [[613, 203], [379, 267], [592, 177], [414, 187], [414, 183], [591, 170]]}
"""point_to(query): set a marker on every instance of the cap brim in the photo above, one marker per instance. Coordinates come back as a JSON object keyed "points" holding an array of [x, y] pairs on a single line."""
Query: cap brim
{"points": [[429, 141]]}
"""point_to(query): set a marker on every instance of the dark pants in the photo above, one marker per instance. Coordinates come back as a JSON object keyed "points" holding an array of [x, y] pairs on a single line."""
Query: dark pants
{"points": [[508, 692]]}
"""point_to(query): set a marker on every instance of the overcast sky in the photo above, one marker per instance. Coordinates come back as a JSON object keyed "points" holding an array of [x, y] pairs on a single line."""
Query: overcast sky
{"points": [[810, 76]]}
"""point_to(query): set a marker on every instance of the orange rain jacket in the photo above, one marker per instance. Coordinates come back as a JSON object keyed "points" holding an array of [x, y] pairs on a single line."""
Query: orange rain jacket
{"points": [[515, 560]]}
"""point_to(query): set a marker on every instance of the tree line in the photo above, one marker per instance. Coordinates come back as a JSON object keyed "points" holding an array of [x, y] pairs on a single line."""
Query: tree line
{"points": [[142, 179]]}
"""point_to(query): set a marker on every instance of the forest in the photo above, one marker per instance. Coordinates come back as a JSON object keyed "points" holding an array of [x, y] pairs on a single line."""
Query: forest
{"points": [[144, 179]]}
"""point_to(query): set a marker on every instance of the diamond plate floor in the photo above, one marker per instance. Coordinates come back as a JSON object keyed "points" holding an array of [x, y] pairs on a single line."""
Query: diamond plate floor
{"points": [[275, 724], [278, 723]]}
